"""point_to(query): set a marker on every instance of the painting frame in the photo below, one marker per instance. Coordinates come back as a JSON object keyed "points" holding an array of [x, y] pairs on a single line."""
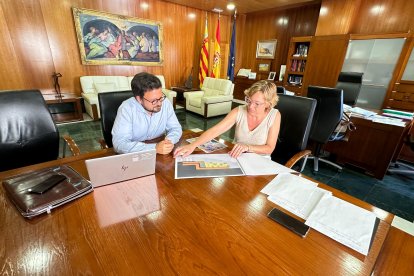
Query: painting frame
{"points": [[264, 66], [111, 39], [266, 48]]}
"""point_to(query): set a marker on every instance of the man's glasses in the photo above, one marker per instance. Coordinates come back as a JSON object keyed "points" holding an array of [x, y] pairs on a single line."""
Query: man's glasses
{"points": [[249, 101], [156, 101]]}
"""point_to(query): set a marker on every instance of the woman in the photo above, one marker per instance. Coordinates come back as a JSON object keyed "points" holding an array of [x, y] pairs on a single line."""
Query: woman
{"points": [[257, 123]]}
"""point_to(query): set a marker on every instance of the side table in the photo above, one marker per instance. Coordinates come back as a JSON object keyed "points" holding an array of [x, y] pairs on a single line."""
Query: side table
{"points": [[64, 109], [180, 93]]}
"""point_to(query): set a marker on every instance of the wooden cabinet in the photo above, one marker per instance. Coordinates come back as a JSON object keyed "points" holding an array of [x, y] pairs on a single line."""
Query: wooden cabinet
{"points": [[66, 108], [299, 48], [240, 85], [401, 94]]}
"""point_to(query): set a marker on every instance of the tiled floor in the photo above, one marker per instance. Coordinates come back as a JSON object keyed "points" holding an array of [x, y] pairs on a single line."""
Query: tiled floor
{"points": [[395, 193]]}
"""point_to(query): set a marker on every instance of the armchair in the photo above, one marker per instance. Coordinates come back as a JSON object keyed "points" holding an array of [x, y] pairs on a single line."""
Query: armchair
{"points": [[294, 130], [28, 134], [215, 98]]}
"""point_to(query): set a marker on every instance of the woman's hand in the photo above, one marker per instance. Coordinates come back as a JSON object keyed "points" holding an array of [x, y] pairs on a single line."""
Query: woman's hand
{"points": [[238, 149], [184, 150]]}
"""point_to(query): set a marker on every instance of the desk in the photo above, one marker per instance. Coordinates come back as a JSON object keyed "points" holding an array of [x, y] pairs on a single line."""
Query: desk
{"points": [[370, 147], [180, 92], [204, 226], [65, 109]]}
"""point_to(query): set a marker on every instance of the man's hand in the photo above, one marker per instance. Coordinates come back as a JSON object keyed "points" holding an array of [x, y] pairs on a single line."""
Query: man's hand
{"points": [[164, 147]]}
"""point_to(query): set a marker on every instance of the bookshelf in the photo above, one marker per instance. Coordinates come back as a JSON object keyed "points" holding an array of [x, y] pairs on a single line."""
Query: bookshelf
{"points": [[296, 63]]}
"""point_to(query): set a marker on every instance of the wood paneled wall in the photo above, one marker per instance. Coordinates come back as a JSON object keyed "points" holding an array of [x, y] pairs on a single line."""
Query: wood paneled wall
{"points": [[39, 38], [274, 24], [365, 17]]}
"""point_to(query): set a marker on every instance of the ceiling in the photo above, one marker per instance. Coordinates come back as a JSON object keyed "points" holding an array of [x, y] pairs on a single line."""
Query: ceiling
{"points": [[242, 6]]}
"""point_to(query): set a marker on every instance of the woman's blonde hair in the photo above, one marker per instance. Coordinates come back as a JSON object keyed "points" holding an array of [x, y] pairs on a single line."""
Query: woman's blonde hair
{"points": [[268, 89]]}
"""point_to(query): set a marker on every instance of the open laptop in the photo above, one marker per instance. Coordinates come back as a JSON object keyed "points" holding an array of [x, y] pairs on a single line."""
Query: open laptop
{"points": [[116, 168]]}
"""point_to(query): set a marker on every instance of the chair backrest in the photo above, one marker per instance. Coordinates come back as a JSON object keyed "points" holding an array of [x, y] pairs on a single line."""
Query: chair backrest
{"points": [[28, 134], [109, 104], [296, 120], [162, 80], [280, 90], [217, 87], [328, 112], [350, 83]]}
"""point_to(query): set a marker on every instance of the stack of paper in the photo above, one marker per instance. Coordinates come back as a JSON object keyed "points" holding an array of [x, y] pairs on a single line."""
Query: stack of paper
{"points": [[343, 222], [398, 114], [295, 194], [387, 120], [336, 218], [360, 112]]}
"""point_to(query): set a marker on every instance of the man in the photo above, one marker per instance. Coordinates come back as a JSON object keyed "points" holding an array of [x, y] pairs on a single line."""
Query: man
{"points": [[146, 116]]}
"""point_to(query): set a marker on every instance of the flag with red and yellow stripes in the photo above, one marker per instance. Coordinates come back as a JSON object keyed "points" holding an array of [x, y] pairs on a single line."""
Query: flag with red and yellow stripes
{"points": [[204, 57], [215, 73]]}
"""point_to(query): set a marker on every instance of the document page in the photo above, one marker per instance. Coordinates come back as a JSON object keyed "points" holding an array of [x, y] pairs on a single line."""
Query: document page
{"points": [[256, 164], [207, 165], [295, 194], [343, 222]]}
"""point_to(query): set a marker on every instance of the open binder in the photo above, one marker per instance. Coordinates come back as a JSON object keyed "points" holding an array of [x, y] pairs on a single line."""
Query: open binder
{"points": [[20, 190]]}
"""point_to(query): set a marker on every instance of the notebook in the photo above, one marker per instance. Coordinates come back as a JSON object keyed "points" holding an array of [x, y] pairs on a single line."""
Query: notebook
{"points": [[116, 168]]}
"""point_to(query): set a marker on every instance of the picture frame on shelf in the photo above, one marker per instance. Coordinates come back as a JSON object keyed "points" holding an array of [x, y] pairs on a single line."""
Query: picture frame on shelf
{"points": [[271, 76], [263, 66], [266, 48], [252, 75], [282, 72]]}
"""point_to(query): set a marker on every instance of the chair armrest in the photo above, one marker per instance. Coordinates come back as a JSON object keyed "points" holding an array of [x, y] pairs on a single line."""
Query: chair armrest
{"points": [[217, 99], [191, 94], [71, 144], [169, 93], [103, 144], [298, 156]]}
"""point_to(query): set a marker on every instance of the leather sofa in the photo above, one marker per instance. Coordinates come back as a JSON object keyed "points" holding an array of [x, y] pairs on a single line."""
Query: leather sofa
{"points": [[215, 98], [92, 85]]}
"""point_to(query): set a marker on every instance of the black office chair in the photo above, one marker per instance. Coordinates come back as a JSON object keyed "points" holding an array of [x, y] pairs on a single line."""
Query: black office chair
{"points": [[297, 114], [327, 116], [350, 83], [28, 134], [281, 90], [109, 103]]}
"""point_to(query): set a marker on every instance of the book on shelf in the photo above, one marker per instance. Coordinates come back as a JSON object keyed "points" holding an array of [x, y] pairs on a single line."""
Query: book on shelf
{"points": [[295, 80], [301, 51]]}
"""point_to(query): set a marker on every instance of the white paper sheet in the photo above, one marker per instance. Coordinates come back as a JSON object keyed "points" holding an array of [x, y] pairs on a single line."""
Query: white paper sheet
{"points": [[343, 222], [286, 180], [295, 194], [255, 164]]}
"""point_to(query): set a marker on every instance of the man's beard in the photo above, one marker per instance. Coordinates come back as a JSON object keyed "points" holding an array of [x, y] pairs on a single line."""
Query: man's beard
{"points": [[155, 109]]}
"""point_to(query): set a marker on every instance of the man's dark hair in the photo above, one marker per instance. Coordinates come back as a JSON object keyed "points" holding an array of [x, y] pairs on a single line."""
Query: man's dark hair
{"points": [[143, 82]]}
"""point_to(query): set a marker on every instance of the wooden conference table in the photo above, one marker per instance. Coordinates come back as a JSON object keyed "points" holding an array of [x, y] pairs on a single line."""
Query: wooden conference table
{"points": [[200, 226]]}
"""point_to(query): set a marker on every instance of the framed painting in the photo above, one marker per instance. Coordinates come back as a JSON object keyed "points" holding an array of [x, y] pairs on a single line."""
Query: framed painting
{"points": [[264, 66], [266, 48], [105, 38]]}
